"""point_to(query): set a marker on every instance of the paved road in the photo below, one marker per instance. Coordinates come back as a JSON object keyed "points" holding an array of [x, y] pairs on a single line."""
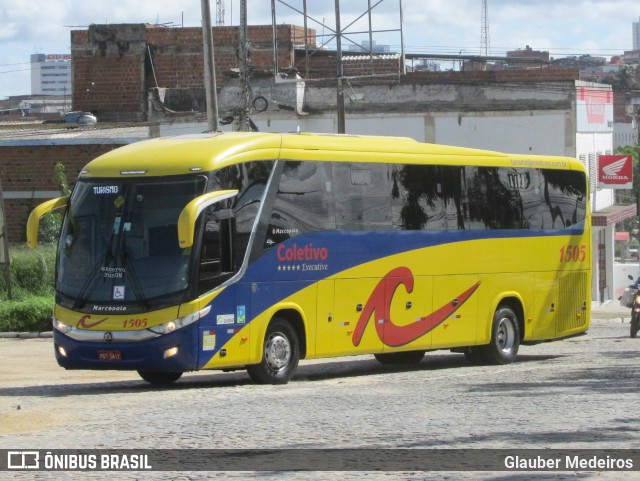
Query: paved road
{"points": [[578, 393]]}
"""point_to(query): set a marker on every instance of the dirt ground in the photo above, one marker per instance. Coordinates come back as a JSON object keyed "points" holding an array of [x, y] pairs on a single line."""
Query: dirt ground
{"points": [[24, 363]]}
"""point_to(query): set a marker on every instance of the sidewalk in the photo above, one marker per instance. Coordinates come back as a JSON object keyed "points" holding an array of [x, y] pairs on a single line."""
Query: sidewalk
{"points": [[611, 310]]}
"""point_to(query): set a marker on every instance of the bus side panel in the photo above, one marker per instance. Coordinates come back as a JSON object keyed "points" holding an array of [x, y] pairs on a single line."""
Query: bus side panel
{"points": [[224, 332], [356, 311], [494, 289], [544, 308], [325, 316], [459, 328], [410, 311]]}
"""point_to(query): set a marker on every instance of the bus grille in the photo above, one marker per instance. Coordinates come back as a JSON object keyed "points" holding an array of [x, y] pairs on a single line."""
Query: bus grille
{"points": [[572, 299]]}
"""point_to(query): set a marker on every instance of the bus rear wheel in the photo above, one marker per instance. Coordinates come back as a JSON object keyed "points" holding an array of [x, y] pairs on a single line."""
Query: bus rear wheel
{"points": [[505, 338], [160, 378], [281, 353], [409, 357]]}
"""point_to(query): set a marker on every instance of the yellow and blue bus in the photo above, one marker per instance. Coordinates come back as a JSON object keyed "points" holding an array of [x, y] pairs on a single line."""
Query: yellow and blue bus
{"points": [[256, 250]]}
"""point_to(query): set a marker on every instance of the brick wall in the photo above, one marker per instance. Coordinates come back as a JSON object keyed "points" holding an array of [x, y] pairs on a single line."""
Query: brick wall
{"points": [[492, 76], [361, 69], [115, 65], [29, 169], [109, 71]]}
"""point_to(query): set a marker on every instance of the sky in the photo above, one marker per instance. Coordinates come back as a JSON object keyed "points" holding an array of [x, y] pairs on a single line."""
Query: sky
{"points": [[563, 27]]}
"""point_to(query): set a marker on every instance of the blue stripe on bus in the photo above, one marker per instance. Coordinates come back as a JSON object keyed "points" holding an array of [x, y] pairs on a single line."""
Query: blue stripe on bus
{"points": [[362, 247], [367, 247]]}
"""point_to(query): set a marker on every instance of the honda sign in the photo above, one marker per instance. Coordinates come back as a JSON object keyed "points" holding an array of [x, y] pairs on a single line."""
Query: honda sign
{"points": [[615, 172]]}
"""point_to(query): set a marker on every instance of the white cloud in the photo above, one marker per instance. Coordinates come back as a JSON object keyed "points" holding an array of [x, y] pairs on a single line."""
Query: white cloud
{"points": [[600, 27]]}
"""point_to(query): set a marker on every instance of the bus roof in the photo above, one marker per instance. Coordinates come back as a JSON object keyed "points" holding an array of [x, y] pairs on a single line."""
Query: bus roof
{"points": [[206, 152]]}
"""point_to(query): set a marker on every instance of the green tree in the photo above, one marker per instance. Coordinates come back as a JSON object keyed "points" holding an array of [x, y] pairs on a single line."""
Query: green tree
{"points": [[624, 79], [51, 222], [62, 179]]}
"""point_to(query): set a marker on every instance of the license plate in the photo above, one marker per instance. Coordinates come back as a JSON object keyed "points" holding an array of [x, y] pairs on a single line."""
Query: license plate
{"points": [[110, 355]]}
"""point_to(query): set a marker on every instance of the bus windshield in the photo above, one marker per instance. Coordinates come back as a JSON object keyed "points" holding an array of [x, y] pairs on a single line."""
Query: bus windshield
{"points": [[119, 242]]}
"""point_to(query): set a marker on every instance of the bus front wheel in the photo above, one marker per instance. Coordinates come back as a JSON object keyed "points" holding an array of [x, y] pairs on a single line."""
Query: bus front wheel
{"points": [[281, 353], [159, 378], [505, 338]]}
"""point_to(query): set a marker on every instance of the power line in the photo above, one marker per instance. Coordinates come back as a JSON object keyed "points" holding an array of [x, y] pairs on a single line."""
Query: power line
{"points": [[12, 71], [12, 64]]}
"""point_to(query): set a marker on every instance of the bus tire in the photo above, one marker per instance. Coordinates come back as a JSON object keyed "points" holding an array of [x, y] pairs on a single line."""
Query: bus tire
{"points": [[635, 326], [160, 378], [406, 358], [505, 338], [281, 353]]}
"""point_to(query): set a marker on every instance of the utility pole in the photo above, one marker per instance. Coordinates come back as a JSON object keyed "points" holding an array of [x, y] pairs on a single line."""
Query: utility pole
{"points": [[209, 68], [4, 245], [339, 73], [243, 58]]}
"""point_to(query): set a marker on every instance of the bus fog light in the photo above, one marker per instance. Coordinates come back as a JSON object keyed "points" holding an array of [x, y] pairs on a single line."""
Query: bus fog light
{"points": [[62, 351], [170, 352]]}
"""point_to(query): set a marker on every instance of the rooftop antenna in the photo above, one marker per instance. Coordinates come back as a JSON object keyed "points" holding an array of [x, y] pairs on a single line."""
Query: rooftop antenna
{"points": [[484, 30], [219, 13]]}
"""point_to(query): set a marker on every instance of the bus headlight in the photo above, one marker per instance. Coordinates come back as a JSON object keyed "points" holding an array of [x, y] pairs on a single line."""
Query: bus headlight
{"points": [[176, 324], [61, 326]]}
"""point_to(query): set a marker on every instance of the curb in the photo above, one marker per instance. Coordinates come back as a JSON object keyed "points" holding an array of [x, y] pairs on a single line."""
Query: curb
{"points": [[26, 335]]}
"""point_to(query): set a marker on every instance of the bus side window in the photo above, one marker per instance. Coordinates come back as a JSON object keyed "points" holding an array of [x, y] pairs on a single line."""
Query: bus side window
{"points": [[416, 197], [303, 202], [564, 198], [362, 196], [216, 254]]}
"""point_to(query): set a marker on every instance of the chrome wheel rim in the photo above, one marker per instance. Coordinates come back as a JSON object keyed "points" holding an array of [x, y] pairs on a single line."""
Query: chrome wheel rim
{"points": [[506, 335], [277, 351]]}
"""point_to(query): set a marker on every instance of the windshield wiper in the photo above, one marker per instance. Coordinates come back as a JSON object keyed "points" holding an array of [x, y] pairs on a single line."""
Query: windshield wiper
{"points": [[138, 291], [91, 283]]}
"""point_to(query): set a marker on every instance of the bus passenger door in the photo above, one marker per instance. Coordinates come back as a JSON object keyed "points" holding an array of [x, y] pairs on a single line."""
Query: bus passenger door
{"points": [[224, 332], [410, 304], [455, 305], [352, 328]]}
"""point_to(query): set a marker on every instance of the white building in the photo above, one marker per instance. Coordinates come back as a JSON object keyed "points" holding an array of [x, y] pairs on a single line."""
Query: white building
{"points": [[636, 35], [51, 74], [557, 117]]}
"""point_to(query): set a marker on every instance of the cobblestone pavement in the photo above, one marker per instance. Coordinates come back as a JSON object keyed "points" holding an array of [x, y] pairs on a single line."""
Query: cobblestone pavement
{"points": [[578, 393]]}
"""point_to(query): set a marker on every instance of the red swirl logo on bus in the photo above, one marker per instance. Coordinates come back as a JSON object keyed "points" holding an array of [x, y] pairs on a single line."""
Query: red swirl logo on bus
{"points": [[83, 324], [392, 334], [305, 253]]}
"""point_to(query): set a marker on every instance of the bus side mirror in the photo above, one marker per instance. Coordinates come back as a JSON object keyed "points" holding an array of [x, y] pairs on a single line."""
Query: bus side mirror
{"points": [[34, 217], [190, 213]]}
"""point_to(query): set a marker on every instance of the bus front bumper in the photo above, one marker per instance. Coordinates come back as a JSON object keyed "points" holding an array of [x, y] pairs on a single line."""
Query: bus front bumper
{"points": [[176, 351]]}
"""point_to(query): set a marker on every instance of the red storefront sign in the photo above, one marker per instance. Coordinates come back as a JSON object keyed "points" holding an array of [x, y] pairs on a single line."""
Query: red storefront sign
{"points": [[615, 172]]}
